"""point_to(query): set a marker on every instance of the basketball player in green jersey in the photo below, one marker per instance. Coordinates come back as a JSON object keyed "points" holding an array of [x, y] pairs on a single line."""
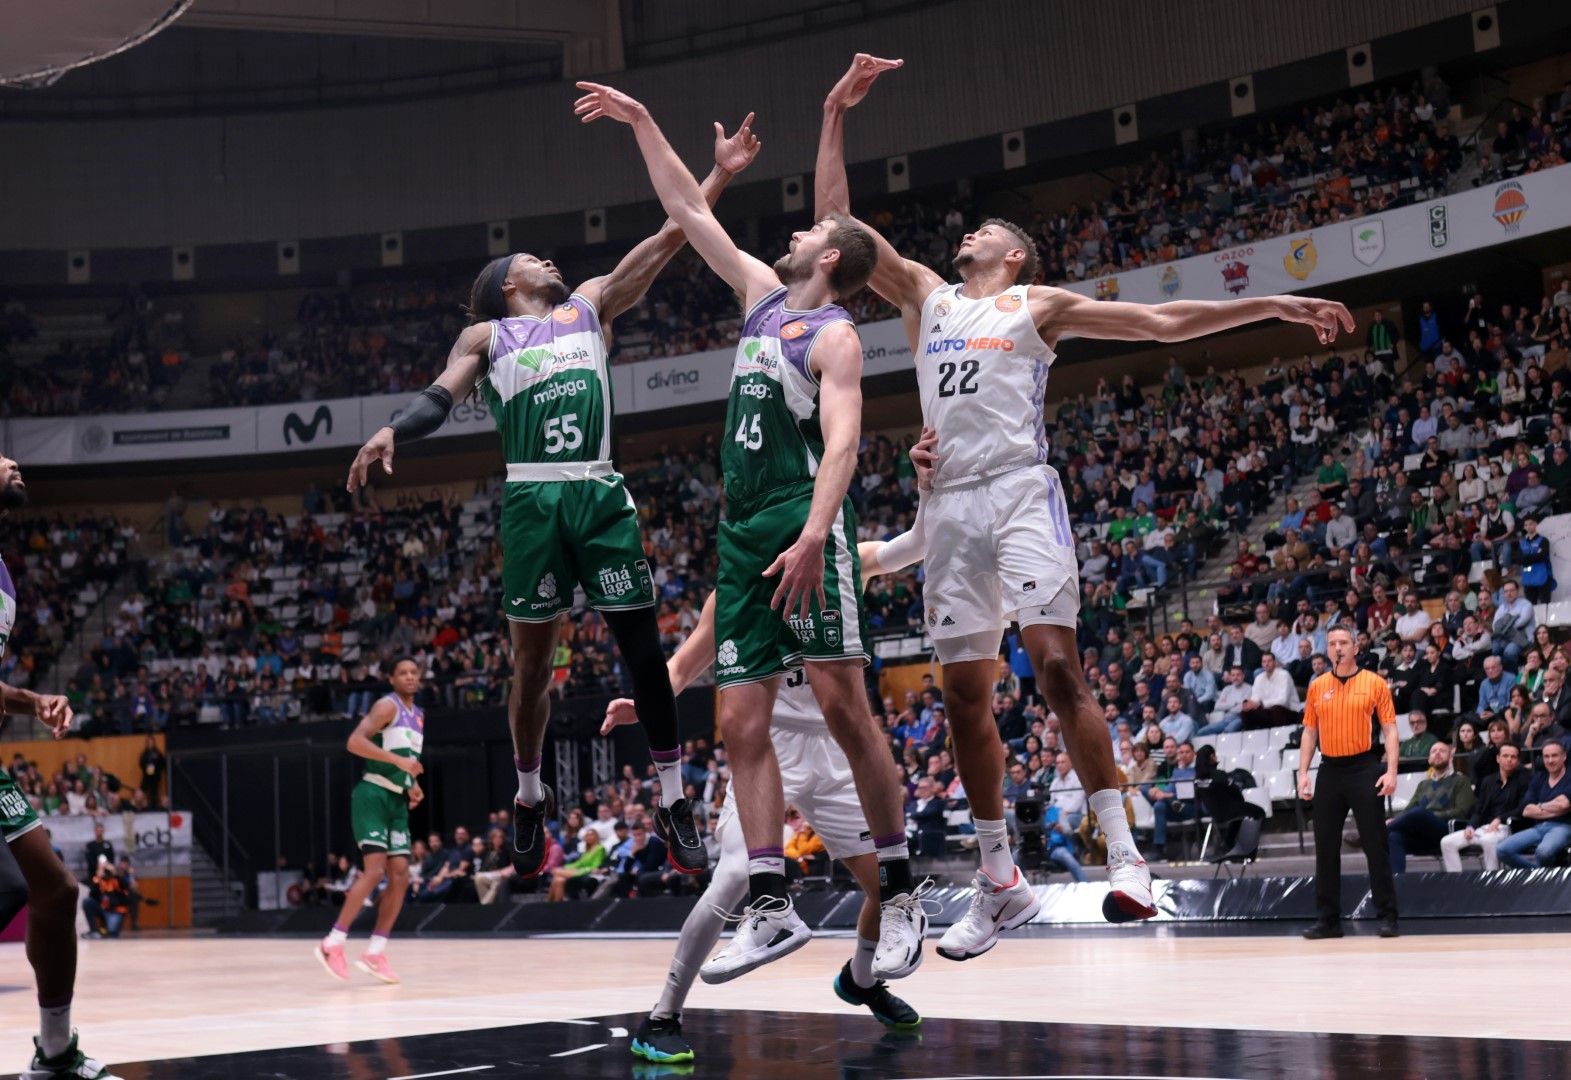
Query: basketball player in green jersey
{"points": [[390, 737], [536, 353], [49, 888], [789, 589]]}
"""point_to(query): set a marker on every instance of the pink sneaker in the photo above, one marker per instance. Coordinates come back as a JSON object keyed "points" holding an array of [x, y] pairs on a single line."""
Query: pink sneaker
{"points": [[377, 967], [332, 958]]}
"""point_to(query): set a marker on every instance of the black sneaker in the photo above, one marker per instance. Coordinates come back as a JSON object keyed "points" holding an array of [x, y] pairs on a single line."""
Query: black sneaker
{"points": [[1388, 928], [1322, 930], [529, 839], [662, 1041], [890, 1010], [684, 847]]}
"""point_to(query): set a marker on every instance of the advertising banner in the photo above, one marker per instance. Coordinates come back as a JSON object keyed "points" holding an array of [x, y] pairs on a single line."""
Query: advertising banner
{"points": [[1301, 262]]}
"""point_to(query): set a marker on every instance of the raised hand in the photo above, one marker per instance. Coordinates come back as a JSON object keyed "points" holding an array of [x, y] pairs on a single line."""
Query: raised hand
{"points": [[1326, 316], [601, 100], [856, 82], [733, 153]]}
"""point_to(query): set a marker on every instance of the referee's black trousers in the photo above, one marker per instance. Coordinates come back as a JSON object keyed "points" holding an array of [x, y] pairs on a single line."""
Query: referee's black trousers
{"points": [[1344, 784]]}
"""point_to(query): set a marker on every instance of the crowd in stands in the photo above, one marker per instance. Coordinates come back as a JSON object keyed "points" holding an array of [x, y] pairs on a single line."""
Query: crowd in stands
{"points": [[61, 566], [78, 788], [125, 362], [1334, 160]]}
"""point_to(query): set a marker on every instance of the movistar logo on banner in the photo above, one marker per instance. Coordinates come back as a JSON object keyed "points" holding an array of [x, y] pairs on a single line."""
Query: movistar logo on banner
{"points": [[298, 430]]}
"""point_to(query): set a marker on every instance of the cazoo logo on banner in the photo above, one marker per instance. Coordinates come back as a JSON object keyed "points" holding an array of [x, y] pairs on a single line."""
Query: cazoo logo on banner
{"points": [[298, 430]]}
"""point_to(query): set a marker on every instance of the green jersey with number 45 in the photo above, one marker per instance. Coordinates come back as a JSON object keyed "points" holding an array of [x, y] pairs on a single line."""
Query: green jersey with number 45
{"points": [[773, 437], [547, 386]]}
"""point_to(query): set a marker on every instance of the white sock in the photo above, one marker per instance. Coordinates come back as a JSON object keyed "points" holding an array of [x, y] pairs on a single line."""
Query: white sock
{"points": [[670, 782], [378, 943], [700, 931], [335, 937], [862, 962], [530, 791], [54, 1029], [1108, 806], [992, 839]]}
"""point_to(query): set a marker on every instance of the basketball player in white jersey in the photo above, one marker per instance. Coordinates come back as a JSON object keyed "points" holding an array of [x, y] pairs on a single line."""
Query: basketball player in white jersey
{"points": [[998, 531], [817, 780]]}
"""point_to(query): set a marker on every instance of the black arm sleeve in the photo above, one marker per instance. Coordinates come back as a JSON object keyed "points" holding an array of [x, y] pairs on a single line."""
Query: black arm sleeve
{"points": [[424, 415]]}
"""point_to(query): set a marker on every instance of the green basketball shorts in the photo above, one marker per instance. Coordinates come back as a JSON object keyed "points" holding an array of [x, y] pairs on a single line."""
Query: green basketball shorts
{"points": [[560, 534], [754, 642], [379, 818], [16, 813]]}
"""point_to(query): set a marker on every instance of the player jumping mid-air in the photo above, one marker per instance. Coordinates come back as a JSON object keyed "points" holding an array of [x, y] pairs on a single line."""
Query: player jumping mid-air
{"points": [[537, 353], [51, 890], [789, 587], [816, 779], [390, 738], [1001, 546]]}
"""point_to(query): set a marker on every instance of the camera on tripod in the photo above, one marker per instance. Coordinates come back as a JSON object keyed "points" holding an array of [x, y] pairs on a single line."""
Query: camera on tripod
{"points": [[1029, 812]]}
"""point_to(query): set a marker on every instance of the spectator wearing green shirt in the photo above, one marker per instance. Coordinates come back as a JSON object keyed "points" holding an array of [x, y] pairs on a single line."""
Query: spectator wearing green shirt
{"points": [[1422, 739], [592, 858], [1331, 477], [1442, 796]]}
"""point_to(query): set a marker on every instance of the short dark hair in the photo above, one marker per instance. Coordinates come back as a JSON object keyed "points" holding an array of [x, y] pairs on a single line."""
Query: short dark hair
{"points": [[858, 256], [1033, 261]]}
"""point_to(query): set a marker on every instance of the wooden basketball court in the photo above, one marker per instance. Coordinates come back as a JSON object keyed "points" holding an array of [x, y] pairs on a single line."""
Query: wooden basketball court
{"points": [[196, 1007]]}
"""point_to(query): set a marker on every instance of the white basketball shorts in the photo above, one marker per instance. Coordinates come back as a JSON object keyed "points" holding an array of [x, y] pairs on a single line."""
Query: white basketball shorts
{"points": [[1000, 550], [818, 782]]}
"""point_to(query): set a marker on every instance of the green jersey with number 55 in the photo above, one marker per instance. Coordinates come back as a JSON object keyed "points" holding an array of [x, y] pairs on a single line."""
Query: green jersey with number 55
{"points": [[773, 437], [547, 387]]}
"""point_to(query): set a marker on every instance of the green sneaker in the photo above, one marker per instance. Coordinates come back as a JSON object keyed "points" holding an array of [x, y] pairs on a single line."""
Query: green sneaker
{"points": [[69, 1064], [890, 1010], [662, 1041]]}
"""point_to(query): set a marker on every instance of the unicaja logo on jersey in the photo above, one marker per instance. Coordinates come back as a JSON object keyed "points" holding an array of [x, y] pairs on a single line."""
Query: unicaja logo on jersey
{"points": [[571, 388], [725, 657], [547, 589]]}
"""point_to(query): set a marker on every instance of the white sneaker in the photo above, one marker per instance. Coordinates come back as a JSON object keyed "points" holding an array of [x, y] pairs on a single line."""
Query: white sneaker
{"points": [[1129, 881], [994, 909], [901, 926], [769, 930]]}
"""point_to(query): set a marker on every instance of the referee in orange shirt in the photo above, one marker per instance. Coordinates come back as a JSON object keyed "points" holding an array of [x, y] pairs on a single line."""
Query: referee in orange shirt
{"points": [[1349, 714]]}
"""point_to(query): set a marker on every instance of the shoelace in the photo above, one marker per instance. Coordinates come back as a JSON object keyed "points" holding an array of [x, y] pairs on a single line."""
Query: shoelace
{"points": [[983, 889], [917, 898], [756, 911], [1120, 856]]}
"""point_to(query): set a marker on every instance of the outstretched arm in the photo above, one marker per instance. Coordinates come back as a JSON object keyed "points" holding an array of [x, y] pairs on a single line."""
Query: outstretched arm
{"points": [[902, 282], [428, 411], [679, 193], [1058, 312], [619, 290]]}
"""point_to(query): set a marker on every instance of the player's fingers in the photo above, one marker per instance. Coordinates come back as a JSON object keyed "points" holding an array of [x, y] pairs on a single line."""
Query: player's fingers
{"points": [[592, 87], [823, 597], [747, 122], [1347, 318], [774, 567], [774, 601], [387, 461], [590, 118]]}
